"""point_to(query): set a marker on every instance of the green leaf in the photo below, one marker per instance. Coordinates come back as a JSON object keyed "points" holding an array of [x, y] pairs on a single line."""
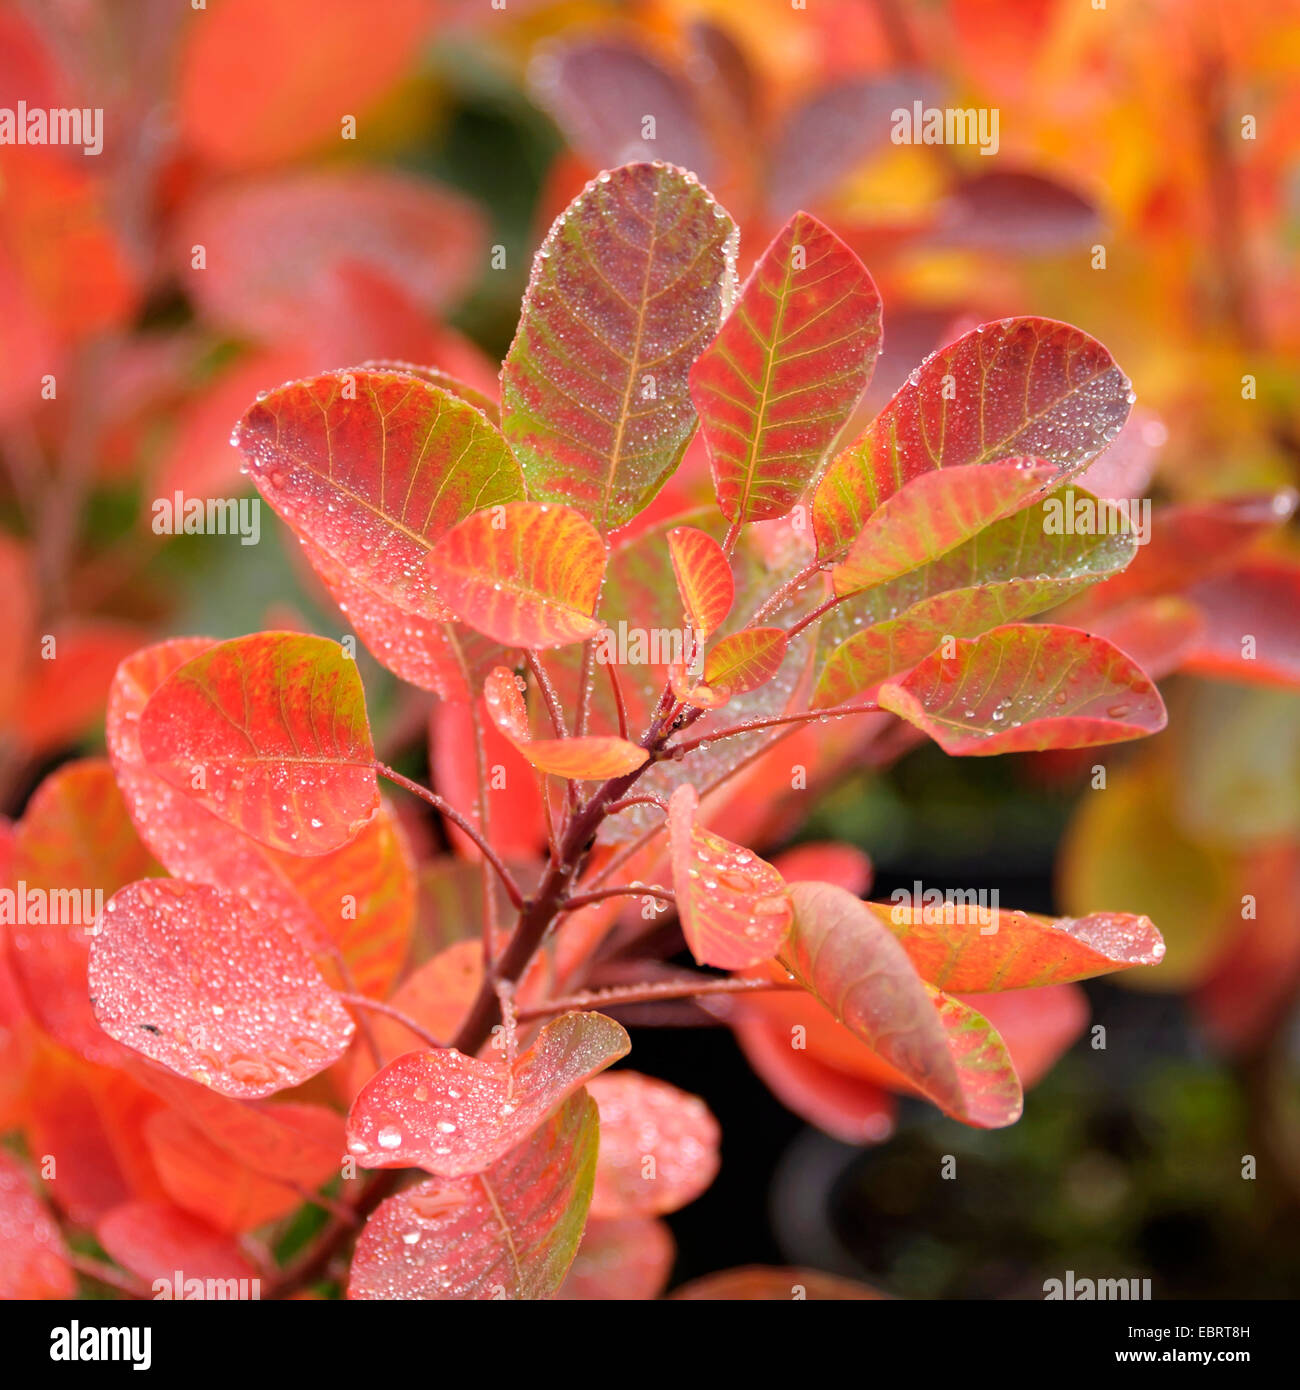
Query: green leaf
{"points": [[630, 284]]}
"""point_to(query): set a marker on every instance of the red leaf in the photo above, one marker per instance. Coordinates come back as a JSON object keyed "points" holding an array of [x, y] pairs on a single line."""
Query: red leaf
{"points": [[33, 1258], [599, 90], [621, 1260], [1023, 688], [1007, 572], [454, 1115], [64, 696], [626, 290], [745, 660], [74, 844], [514, 799], [197, 980], [1258, 601], [276, 725], [849, 1107], [302, 893], [525, 574], [658, 1146], [510, 1232], [1156, 633], [732, 904], [297, 65], [208, 1182], [704, 579], [580, 759], [1027, 387], [273, 243], [841, 953], [828, 861], [373, 468], [154, 1241], [934, 513], [282, 1139], [782, 378], [971, 949]]}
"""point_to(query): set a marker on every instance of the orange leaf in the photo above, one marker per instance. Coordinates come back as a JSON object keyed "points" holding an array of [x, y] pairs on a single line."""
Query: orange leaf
{"points": [[526, 574], [732, 904]]}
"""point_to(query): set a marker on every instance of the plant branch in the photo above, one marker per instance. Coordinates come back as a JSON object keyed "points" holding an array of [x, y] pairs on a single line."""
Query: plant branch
{"points": [[447, 809], [749, 726], [360, 1001], [651, 992], [628, 890]]}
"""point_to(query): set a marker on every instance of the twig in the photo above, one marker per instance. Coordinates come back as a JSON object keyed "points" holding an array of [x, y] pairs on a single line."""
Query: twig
{"points": [[651, 993], [628, 890], [359, 1001], [513, 891], [676, 750]]}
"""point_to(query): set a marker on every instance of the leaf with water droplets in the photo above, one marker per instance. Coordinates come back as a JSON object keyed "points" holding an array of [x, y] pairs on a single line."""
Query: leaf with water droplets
{"points": [[153, 1241], [1026, 687], [658, 1146], [621, 1260], [33, 1257], [199, 982], [1009, 570], [704, 579], [628, 287], [934, 513], [526, 574], [269, 733], [509, 1232], [440, 656], [744, 660], [840, 952], [373, 468], [975, 948], [454, 1115], [782, 378], [1021, 387], [593, 758], [302, 892], [732, 904]]}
